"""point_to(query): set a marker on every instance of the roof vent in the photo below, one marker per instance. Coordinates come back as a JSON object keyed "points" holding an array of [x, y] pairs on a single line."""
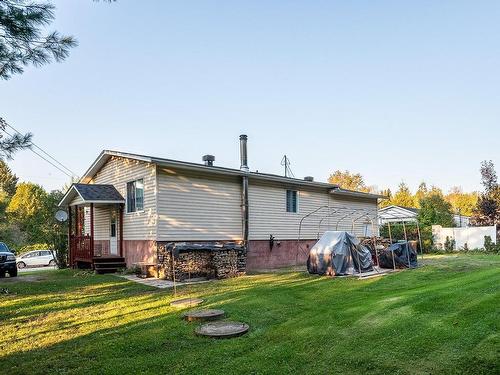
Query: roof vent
{"points": [[309, 178], [209, 160]]}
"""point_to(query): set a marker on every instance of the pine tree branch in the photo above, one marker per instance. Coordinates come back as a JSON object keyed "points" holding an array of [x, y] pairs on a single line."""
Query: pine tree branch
{"points": [[10, 144]]}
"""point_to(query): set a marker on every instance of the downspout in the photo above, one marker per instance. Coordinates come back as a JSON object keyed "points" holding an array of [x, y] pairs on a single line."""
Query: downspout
{"points": [[244, 191]]}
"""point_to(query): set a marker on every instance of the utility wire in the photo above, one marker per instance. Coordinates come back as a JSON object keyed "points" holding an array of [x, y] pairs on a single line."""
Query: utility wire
{"points": [[73, 174], [48, 161]]}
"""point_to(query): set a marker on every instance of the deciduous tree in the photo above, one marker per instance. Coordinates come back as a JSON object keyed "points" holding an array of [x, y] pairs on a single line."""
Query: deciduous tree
{"points": [[462, 203], [487, 211], [348, 180], [28, 209]]}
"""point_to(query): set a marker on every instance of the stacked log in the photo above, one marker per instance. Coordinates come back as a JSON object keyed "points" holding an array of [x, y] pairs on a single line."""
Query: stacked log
{"points": [[185, 261]]}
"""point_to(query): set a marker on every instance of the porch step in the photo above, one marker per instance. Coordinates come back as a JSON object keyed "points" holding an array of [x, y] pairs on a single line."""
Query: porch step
{"points": [[109, 265], [108, 259]]}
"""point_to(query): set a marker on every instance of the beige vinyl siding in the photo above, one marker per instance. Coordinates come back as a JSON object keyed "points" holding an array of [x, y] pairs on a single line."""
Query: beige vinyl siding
{"points": [[363, 219], [76, 200], [267, 211], [193, 206], [118, 171], [102, 222]]}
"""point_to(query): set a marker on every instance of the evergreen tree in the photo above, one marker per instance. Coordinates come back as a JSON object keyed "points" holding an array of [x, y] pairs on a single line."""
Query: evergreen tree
{"points": [[403, 196], [421, 193], [8, 180], [386, 202], [22, 38], [434, 210], [9, 144]]}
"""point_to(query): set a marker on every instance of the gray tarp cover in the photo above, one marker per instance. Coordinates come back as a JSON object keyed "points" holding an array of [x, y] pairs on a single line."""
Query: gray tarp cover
{"points": [[336, 252], [404, 255]]}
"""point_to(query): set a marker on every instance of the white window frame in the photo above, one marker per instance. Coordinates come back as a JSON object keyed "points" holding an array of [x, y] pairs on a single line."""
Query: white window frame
{"points": [[297, 194], [127, 198]]}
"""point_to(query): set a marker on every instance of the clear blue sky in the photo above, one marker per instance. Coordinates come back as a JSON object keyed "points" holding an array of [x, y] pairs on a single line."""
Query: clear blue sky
{"points": [[390, 89]]}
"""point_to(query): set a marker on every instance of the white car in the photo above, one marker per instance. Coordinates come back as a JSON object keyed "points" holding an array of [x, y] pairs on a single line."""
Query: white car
{"points": [[36, 258]]}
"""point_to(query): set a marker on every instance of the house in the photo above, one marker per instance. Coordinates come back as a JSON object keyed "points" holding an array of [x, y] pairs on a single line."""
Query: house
{"points": [[127, 205], [399, 213]]}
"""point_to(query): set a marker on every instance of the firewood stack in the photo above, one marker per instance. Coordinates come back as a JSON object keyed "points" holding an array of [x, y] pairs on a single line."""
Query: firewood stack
{"points": [[185, 261]]}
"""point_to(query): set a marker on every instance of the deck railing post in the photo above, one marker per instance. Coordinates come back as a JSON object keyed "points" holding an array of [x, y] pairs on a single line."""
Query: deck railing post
{"points": [[121, 229], [92, 232], [70, 247]]}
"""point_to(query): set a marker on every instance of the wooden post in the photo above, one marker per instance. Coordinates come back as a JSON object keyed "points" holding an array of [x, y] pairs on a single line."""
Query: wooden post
{"points": [[77, 222], [70, 250], [121, 230], [92, 229]]}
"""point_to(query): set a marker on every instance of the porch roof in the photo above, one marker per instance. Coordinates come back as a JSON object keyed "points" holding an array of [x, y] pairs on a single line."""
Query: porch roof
{"points": [[91, 193]]}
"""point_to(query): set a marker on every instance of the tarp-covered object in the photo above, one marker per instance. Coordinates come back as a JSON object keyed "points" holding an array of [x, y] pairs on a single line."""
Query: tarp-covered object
{"points": [[337, 253], [404, 253]]}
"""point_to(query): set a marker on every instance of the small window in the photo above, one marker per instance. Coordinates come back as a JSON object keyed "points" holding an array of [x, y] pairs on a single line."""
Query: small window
{"points": [[135, 196], [291, 201]]}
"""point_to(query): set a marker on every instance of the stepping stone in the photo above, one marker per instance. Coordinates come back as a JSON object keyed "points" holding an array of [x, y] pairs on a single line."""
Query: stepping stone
{"points": [[186, 302], [203, 315], [222, 330]]}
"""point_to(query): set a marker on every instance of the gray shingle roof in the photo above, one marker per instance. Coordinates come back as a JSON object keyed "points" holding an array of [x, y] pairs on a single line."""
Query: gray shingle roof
{"points": [[94, 192]]}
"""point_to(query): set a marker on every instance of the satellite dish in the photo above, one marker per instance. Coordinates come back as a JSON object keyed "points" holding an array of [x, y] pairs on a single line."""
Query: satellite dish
{"points": [[61, 216]]}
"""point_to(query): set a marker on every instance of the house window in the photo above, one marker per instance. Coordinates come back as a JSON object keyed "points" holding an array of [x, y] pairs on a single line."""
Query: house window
{"points": [[291, 201], [135, 196]]}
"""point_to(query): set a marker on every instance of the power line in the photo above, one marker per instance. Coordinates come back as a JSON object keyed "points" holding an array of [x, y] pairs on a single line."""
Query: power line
{"points": [[48, 161], [73, 174]]}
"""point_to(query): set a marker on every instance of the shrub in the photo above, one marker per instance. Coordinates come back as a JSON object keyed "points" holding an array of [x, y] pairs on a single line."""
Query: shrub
{"points": [[490, 246], [449, 244]]}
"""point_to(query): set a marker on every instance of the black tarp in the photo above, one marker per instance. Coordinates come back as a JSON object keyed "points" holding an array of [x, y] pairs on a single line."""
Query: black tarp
{"points": [[404, 253], [338, 253]]}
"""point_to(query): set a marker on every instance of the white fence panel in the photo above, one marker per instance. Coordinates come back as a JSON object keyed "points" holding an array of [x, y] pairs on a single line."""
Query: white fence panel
{"points": [[472, 236]]}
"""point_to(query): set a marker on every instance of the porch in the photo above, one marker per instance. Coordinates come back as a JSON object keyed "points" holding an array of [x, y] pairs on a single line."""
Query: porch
{"points": [[95, 227]]}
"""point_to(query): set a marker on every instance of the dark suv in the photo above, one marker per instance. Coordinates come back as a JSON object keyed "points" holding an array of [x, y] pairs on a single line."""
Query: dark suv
{"points": [[7, 261]]}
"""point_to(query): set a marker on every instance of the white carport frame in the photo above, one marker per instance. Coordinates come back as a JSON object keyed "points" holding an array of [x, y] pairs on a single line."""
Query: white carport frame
{"points": [[324, 212], [363, 213]]}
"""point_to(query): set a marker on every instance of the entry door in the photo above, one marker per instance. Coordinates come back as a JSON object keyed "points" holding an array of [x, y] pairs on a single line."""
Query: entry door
{"points": [[113, 240]]}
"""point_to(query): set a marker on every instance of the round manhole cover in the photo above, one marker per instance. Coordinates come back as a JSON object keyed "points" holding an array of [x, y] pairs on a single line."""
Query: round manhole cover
{"points": [[222, 329], [201, 315], [186, 302]]}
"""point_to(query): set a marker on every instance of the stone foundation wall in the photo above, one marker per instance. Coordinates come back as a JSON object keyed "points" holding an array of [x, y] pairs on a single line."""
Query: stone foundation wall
{"points": [[219, 263]]}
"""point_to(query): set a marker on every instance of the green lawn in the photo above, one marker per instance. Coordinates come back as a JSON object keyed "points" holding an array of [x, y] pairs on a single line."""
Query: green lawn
{"points": [[442, 318]]}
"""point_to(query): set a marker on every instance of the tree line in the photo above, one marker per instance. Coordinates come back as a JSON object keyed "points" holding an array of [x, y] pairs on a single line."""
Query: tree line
{"points": [[27, 213], [435, 206]]}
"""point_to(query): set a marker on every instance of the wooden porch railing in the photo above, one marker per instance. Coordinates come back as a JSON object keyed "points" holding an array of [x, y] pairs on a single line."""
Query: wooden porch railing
{"points": [[81, 248]]}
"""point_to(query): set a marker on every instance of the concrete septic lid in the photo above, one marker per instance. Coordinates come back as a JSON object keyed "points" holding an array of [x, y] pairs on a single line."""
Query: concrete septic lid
{"points": [[186, 302], [202, 315], [222, 330]]}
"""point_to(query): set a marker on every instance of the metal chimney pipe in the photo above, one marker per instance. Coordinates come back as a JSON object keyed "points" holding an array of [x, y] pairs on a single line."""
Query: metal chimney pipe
{"points": [[244, 189], [243, 153]]}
